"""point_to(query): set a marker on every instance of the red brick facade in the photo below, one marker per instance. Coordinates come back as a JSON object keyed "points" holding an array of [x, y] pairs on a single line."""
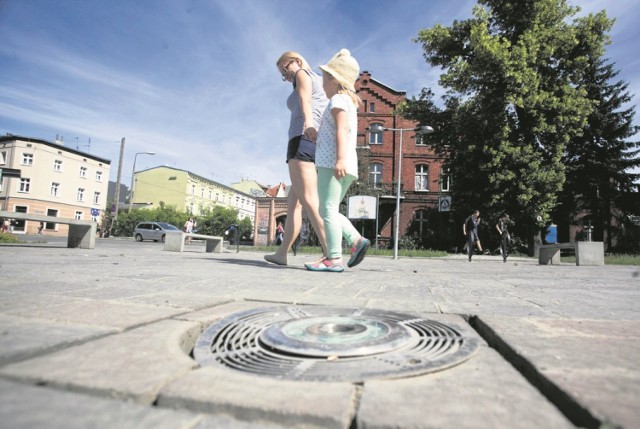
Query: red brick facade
{"points": [[421, 169]]}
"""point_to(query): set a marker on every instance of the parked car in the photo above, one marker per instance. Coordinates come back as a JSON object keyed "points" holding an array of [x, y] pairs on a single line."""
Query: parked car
{"points": [[152, 231]]}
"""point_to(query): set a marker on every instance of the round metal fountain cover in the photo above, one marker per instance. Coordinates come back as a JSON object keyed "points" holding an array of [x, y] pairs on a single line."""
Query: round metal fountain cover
{"points": [[332, 344], [336, 336]]}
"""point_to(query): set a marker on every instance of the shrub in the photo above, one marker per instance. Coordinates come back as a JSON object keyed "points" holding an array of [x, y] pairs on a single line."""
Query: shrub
{"points": [[8, 238]]}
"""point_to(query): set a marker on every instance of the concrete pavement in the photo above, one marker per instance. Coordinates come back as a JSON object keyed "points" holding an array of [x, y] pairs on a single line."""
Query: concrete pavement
{"points": [[103, 338]]}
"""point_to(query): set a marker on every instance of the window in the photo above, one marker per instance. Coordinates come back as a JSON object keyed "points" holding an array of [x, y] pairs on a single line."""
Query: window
{"points": [[375, 138], [210, 194], [421, 222], [420, 139], [55, 189], [80, 194], [375, 175], [372, 107], [193, 189], [78, 216], [202, 192], [3, 157], [445, 180], [98, 176], [422, 177], [27, 159], [57, 165], [96, 198], [25, 185], [83, 171]]}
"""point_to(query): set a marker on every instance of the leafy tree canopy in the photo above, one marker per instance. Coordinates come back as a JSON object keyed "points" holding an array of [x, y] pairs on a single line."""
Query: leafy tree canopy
{"points": [[514, 100]]}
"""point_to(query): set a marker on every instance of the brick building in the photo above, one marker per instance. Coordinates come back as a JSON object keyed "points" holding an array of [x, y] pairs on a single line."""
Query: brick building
{"points": [[424, 185], [423, 182]]}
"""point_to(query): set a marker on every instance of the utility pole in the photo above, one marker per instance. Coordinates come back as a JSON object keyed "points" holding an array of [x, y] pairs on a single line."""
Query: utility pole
{"points": [[117, 202]]}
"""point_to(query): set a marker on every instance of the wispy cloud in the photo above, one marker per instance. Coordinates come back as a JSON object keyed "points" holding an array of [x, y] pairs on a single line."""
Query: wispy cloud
{"points": [[196, 82]]}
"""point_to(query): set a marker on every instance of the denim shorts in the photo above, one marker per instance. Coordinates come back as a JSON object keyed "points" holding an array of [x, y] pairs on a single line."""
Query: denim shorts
{"points": [[302, 149]]}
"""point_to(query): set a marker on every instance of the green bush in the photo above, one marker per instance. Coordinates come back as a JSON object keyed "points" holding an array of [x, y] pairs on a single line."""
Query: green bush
{"points": [[214, 221], [8, 238]]}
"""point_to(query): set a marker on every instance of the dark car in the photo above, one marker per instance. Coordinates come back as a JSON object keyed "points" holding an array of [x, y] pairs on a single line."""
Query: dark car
{"points": [[155, 231]]}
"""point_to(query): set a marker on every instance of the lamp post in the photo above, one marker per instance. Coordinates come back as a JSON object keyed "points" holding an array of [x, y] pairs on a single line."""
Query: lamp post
{"points": [[133, 175], [376, 128]]}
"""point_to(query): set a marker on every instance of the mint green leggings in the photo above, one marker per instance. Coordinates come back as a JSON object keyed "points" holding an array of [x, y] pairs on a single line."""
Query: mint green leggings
{"points": [[331, 191]]}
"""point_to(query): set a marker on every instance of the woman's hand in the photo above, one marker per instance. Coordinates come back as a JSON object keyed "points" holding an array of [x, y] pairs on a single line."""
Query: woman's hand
{"points": [[310, 133]]}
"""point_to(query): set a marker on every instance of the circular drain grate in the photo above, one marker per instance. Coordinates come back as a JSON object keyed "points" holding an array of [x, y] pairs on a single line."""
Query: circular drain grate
{"points": [[332, 344]]}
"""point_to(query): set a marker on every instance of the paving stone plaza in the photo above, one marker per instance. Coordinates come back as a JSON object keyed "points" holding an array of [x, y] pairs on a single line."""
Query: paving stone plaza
{"points": [[104, 338]]}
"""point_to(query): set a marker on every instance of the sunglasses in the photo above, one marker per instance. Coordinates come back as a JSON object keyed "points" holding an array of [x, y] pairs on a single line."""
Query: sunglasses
{"points": [[285, 69]]}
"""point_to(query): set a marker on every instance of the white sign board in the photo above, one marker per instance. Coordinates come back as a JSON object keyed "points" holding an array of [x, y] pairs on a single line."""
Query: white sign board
{"points": [[362, 207]]}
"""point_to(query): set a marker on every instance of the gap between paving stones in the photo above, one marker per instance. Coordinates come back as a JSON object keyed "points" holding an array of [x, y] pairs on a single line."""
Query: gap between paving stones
{"points": [[186, 343], [565, 403], [73, 343]]}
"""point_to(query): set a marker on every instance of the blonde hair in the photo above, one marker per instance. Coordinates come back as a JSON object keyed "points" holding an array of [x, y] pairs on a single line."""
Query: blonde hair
{"points": [[357, 101], [291, 55]]}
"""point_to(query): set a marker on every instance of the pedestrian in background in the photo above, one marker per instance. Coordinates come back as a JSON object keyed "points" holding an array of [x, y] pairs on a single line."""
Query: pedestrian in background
{"points": [[505, 238], [337, 161], [306, 102], [188, 228], [470, 230], [551, 234], [279, 233]]}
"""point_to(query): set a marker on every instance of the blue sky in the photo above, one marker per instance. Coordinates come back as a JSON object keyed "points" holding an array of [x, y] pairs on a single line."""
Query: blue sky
{"points": [[195, 80]]}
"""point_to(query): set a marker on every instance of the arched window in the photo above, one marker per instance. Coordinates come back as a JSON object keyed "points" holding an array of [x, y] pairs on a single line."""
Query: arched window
{"points": [[422, 177]]}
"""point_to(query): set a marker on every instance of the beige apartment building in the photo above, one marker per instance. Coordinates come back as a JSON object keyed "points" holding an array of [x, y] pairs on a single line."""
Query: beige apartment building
{"points": [[55, 180], [189, 192]]}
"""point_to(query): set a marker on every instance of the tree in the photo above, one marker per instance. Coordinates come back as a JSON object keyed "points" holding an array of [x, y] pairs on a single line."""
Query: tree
{"points": [[513, 102], [216, 221], [127, 221], [599, 161]]}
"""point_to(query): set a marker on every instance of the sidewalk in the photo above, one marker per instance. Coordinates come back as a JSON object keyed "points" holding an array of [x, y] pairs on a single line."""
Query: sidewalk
{"points": [[102, 338]]}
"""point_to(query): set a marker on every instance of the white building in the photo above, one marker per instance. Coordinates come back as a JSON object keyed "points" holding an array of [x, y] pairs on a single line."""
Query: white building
{"points": [[55, 180]]}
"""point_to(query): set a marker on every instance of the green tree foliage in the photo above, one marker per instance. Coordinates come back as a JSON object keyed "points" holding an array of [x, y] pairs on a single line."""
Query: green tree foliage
{"points": [[513, 103], [127, 221], [214, 221], [598, 163]]}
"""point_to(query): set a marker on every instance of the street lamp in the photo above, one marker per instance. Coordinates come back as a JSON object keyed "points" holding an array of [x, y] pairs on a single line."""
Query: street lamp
{"points": [[133, 175], [377, 128]]}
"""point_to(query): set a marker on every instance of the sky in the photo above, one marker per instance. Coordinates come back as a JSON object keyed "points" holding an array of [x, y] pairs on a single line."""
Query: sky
{"points": [[195, 81]]}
